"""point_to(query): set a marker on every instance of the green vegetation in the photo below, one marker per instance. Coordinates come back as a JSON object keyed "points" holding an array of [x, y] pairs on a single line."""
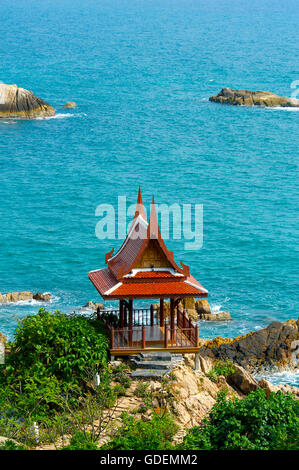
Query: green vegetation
{"points": [[134, 434], [254, 423], [11, 445], [221, 368], [48, 395], [81, 441], [48, 376]]}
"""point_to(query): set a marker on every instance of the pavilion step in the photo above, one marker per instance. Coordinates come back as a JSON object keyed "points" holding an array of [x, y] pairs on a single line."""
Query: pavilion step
{"points": [[149, 364], [154, 356], [145, 373]]}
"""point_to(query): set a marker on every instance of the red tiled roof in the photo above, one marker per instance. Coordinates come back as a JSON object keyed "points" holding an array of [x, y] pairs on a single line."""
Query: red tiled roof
{"points": [[149, 289], [127, 253], [103, 280], [151, 274]]}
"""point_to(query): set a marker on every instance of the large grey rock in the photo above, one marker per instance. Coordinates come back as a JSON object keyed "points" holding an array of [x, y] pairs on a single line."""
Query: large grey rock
{"points": [[270, 346], [253, 98], [20, 103], [242, 380]]}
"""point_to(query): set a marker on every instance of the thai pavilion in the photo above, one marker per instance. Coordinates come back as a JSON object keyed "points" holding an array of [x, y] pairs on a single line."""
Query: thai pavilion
{"points": [[143, 268]]}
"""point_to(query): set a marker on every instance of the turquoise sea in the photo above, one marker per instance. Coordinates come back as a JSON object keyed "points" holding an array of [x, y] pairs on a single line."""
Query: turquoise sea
{"points": [[141, 73]]}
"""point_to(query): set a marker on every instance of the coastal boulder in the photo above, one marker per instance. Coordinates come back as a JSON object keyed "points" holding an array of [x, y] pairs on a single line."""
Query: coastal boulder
{"points": [[202, 306], [270, 346], [253, 98], [42, 297], [20, 103], [70, 105], [94, 305], [219, 316], [242, 380], [22, 296]]}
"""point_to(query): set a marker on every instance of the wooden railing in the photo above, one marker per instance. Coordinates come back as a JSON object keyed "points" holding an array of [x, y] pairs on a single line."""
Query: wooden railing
{"points": [[184, 333], [187, 327], [125, 338], [141, 316]]}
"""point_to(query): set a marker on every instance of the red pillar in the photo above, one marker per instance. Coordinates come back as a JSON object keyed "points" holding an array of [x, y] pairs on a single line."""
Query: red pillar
{"points": [[161, 312]]}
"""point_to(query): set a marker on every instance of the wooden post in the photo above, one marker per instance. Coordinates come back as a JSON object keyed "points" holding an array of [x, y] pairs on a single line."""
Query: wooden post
{"points": [[190, 331], [143, 337], [112, 338], [130, 321], [166, 337], [98, 313], [152, 315], [196, 336], [172, 319], [121, 313], [162, 312]]}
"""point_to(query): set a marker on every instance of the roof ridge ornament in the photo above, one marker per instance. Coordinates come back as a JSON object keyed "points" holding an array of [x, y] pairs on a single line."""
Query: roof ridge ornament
{"points": [[139, 206]]}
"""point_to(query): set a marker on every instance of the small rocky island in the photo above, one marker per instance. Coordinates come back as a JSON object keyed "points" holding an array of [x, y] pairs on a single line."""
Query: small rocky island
{"points": [[253, 98], [24, 296], [17, 102]]}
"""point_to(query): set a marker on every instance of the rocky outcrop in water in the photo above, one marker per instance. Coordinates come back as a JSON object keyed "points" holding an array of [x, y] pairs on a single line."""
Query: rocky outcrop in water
{"points": [[94, 305], [20, 103], [70, 105], [22, 296], [253, 98], [277, 345]]}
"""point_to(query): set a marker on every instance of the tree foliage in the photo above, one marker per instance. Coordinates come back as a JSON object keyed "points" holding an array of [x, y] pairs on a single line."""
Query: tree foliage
{"points": [[254, 423], [137, 434]]}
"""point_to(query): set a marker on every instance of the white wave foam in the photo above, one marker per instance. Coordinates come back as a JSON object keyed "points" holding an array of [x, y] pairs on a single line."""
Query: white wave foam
{"points": [[215, 308], [281, 108], [60, 116], [282, 378]]}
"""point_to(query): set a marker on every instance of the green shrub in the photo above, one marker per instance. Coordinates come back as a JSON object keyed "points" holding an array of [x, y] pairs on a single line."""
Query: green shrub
{"points": [[54, 355], [121, 375], [254, 423], [65, 345], [11, 445], [221, 368], [134, 434], [81, 441]]}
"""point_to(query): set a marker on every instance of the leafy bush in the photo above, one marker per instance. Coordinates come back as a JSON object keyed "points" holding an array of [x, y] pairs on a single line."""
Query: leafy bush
{"points": [[11, 445], [254, 423], [121, 375], [221, 368], [81, 441], [53, 356], [134, 434], [64, 345]]}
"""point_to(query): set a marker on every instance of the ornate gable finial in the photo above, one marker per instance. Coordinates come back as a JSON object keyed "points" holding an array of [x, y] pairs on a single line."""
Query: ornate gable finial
{"points": [[139, 206], [153, 226]]}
